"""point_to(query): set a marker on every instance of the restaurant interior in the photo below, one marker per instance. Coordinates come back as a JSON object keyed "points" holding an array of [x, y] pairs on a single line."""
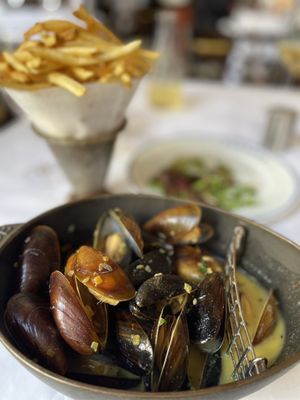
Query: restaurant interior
{"points": [[210, 114]]}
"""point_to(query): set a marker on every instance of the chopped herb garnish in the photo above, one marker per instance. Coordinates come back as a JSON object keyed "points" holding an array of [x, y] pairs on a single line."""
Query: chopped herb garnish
{"points": [[162, 321], [203, 266]]}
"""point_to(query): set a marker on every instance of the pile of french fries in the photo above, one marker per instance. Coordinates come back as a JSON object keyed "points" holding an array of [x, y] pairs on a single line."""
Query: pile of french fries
{"points": [[61, 53]]}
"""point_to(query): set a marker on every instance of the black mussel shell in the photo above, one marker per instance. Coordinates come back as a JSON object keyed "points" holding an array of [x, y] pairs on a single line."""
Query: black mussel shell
{"points": [[133, 342], [171, 352], [206, 314], [145, 314], [159, 288], [154, 262], [29, 321], [101, 370], [40, 257], [153, 242]]}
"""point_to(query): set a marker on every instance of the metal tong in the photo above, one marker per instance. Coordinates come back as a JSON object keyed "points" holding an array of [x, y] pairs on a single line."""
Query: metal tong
{"points": [[245, 362]]}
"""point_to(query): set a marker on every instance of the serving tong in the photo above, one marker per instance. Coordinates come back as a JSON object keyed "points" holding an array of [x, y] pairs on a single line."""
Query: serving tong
{"points": [[245, 362]]}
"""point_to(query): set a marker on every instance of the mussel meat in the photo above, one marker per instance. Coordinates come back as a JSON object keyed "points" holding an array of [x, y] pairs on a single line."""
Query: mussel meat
{"points": [[104, 278], [117, 235]]}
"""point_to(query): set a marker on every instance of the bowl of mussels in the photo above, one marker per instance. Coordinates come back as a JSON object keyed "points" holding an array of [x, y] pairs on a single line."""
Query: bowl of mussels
{"points": [[143, 297]]}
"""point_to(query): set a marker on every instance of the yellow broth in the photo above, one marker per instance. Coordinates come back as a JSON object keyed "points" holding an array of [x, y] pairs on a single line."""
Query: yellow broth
{"points": [[272, 345]]}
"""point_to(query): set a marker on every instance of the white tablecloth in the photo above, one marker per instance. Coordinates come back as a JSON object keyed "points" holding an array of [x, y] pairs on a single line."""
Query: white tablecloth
{"points": [[31, 182]]}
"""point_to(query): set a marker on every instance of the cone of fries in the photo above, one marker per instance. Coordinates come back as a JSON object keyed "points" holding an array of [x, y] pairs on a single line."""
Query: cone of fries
{"points": [[74, 82]]}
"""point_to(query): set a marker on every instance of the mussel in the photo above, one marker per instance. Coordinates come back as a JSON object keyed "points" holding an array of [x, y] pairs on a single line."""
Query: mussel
{"points": [[29, 321], [117, 235], [178, 225], [171, 351], [104, 278], [101, 370], [41, 256], [206, 314], [70, 317], [133, 341], [267, 320], [160, 288], [154, 262]]}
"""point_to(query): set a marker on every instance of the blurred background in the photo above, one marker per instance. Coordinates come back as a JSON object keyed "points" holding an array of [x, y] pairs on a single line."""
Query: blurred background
{"points": [[228, 69], [233, 41]]}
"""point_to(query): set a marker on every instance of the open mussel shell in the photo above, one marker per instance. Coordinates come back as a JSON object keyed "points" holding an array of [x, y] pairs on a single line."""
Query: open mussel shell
{"points": [[133, 341], [70, 316], [159, 288], [171, 352], [41, 256], [267, 320], [177, 225], [96, 311], [154, 262], [117, 235], [101, 370], [104, 278], [206, 314], [187, 264], [29, 321]]}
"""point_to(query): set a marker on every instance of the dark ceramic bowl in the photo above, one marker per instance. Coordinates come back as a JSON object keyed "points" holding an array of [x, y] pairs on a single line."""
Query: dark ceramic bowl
{"points": [[272, 259]]}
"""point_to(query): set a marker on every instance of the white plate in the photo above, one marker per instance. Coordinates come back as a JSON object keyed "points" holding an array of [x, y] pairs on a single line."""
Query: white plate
{"points": [[275, 182]]}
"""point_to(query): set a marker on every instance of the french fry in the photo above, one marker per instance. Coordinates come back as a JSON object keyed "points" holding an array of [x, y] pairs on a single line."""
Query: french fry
{"points": [[28, 44], [48, 40], [78, 50], [68, 34], [125, 78], [121, 51], [151, 55], [66, 82], [19, 76], [4, 67], [83, 74], [62, 58], [94, 25], [37, 28], [96, 41], [23, 56], [14, 63], [34, 63]]}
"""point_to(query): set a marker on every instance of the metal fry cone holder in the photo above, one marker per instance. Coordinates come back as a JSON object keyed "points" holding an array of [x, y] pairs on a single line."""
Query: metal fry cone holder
{"points": [[84, 161], [244, 360]]}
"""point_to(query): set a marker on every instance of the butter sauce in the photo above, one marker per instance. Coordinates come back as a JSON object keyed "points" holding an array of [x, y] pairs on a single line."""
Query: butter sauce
{"points": [[271, 347]]}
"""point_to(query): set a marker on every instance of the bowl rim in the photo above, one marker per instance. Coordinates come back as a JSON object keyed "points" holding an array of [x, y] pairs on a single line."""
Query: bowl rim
{"points": [[130, 394]]}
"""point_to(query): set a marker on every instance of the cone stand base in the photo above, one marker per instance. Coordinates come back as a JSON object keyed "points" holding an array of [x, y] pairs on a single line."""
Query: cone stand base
{"points": [[84, 162]]}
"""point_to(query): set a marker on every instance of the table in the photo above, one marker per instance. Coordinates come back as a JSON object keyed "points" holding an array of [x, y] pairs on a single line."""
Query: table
{"points": [[31, 182]]}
